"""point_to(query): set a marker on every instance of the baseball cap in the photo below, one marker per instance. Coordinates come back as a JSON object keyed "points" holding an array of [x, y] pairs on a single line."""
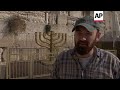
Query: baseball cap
{"points": [[88, 22]]}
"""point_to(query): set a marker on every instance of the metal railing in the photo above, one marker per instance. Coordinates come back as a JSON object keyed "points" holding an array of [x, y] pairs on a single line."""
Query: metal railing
{"points": [[26, 63]]}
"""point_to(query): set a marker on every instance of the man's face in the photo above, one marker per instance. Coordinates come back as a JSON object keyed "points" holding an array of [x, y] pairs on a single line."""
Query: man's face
{"points": [[85, 40]]}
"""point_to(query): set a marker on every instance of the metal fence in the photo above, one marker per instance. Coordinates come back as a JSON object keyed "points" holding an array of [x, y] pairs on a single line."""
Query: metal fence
{"points": [[31, 61], [26, 63]]}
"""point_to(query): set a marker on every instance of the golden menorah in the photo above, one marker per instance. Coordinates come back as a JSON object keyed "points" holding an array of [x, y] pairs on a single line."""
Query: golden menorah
{"points": [[51, 41]]}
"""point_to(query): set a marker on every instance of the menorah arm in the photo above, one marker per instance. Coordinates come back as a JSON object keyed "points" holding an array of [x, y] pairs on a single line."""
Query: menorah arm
{"points": [[59, 40], [56, 39], [63, 38], [41, 39], [36, 40], [45, 37], [40, 44]]}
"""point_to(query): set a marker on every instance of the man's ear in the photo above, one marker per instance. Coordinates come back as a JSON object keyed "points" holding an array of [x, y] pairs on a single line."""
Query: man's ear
{"points": [[98, 36]]}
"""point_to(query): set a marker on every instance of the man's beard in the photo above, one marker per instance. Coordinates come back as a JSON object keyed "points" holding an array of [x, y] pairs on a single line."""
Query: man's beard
{"points": [[83, 47]]}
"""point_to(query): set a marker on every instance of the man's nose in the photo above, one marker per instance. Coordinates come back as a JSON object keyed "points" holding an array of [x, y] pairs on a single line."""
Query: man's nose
{"points": [[83, 39]]}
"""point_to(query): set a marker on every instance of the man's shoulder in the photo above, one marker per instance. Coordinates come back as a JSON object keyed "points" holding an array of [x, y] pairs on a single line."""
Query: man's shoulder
{"points": [[107, 54], [65, 53]]}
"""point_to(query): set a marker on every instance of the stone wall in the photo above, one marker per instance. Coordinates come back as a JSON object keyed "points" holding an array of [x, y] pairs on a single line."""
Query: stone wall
{"points": [[35, 21]]}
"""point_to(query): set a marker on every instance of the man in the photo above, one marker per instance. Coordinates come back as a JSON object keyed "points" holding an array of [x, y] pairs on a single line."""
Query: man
{"points": [[85, 60]]}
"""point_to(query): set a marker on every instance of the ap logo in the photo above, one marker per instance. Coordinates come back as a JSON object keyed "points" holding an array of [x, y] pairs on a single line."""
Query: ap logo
{"points": [[98, 16]]}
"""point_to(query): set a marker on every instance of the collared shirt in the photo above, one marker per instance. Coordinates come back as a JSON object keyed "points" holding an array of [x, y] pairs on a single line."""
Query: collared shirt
{"points": [[84, 61], [103, 65]]}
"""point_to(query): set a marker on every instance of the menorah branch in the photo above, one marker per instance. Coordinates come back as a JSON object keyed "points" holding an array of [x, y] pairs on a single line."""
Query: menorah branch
{"points": [[41, 39], [58, 37], [63, 40], [37, 41], [44, 36]]}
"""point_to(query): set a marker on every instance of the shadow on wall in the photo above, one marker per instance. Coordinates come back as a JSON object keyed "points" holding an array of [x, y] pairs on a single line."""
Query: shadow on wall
{"points": [[14, 25]]}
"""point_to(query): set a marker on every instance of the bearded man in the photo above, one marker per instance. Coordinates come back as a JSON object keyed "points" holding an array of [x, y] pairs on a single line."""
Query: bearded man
{"points": [[85, 60]]}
